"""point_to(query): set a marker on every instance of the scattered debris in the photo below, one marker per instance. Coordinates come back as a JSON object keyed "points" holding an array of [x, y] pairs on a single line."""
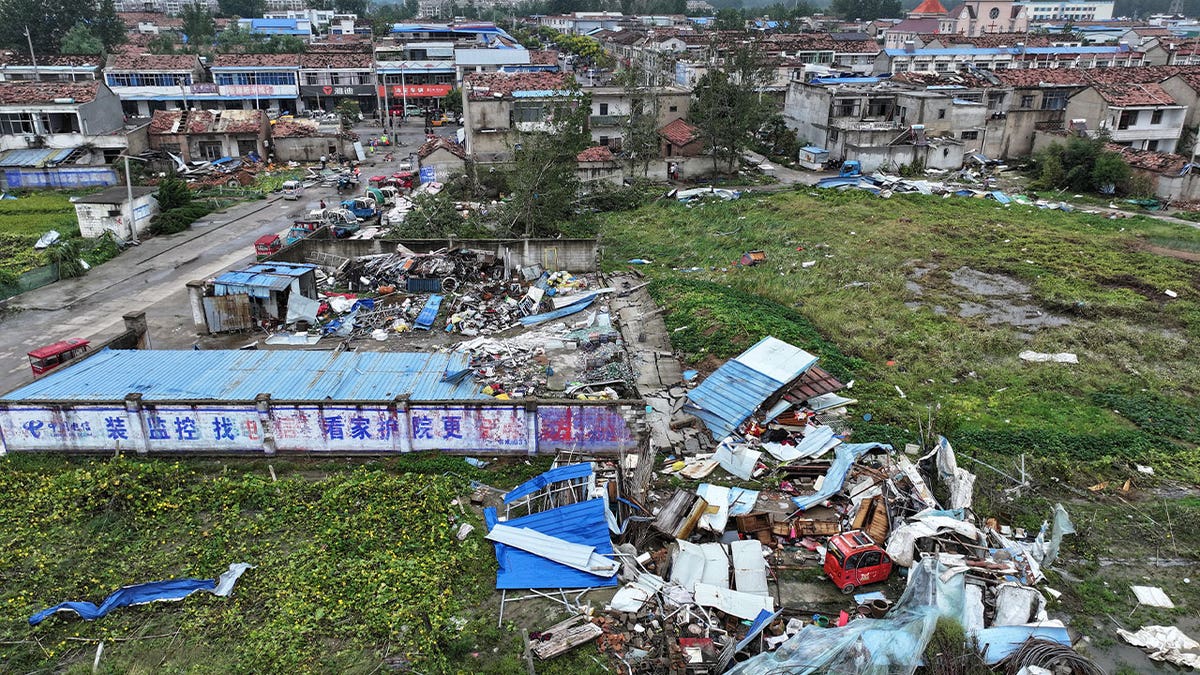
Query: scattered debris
{"points": [[1039, 357], [1165, 643]]}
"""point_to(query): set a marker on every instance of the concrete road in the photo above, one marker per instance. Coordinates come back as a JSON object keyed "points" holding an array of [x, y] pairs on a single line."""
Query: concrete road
{"points": [[152, 277]]}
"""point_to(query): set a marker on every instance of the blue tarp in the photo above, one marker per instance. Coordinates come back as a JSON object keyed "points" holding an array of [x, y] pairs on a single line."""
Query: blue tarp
{"points": [[573, 308], [429, 313], [1000, 641], [580, 523], [555, 475], [844, 457], [141, 594]]}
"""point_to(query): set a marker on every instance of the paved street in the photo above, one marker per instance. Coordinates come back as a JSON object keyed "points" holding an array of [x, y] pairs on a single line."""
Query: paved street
{"points": [[152, 277]]}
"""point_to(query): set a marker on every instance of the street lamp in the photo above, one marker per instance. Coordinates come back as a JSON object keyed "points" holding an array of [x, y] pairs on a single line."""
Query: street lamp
{"points": [[129, 197]]}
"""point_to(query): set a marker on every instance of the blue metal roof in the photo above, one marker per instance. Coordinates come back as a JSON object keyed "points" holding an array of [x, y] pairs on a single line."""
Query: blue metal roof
{"points": [[267, 276], [240, 375], [542, 481], [579, 523], [34, 157], [735, 390]]}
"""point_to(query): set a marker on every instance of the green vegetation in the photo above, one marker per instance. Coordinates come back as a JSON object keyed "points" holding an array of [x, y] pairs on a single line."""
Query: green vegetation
{"points": [[178, 210], [357, 565], [869, 257], [1083, 165], [25, 219]]}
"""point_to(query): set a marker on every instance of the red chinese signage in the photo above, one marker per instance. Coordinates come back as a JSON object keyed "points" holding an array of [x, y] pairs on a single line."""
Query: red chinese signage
{"points": [[417, 90]]}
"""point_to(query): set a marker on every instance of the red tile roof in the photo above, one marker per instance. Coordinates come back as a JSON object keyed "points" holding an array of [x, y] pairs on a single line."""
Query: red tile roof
{"points": [[929, 7], [208, 122], [596, 153], [250, 60], [543, 57], [294, 128], [433, 145], [17, 93], [333, 61], [153, 62], [1122, 95], [489, 85], [132, 19], [10, 58], [1151, 160], [679, 132], [165, 122]]}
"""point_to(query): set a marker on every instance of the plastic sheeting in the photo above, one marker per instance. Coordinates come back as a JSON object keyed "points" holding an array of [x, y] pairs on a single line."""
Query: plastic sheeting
{"points": [[579, 523], [844, 457], [576, 556], [580, 305], [1165, 643], [960, 481], [817, 441], [902, 541], [998, 642], [154, 591], [1047, 551], [890, 646]]}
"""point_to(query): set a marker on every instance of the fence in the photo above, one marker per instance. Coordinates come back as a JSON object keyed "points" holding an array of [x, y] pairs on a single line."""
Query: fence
{"points": [[35, 278]]}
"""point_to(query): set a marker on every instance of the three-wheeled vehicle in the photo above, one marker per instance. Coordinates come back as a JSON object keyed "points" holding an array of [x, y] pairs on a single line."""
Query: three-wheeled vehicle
{"points": [[292, 189], [361, 207], [267, 245], [45, 359], [853, 560]]}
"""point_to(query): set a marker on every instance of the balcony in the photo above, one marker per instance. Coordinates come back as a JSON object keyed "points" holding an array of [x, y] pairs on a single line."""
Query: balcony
{"points": [[606, 120]]}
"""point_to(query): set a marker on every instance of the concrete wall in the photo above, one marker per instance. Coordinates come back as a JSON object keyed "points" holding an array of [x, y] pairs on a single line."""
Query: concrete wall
{"points": [[310, 149], [597, 173], [1141, 134], [690, 168], [889, 157], [96, 219], [572, 255], [806, 110], [487, 129], [444, 163]]}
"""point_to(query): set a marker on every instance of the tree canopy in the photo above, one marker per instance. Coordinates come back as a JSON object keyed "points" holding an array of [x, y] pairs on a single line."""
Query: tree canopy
{"points": [[81, 40], [198, 24], [866, 10], [49, 21], [542, 178], [243, 8]]}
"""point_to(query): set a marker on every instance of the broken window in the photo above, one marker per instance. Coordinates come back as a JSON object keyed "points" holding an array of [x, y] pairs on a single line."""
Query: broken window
{"points": [[16, 123], [527, 111], [1054, 100], [846, 107], [1027, 101], [60, 123], [1128, 118], [210, 149], [1156, 118], [995, 100], [969, 135]]}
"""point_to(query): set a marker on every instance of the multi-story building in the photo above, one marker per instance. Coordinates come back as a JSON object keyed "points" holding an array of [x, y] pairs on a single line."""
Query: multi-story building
{"points": [[1078, 10], [498, 106], [171, 7], [612, 108], [1018, 56], [326, 78], [148, 82], [1143, 116], [258, 81], [17, 67], [582, 23]]}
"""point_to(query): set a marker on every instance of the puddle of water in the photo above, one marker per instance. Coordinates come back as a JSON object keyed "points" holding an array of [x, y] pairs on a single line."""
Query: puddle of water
{"points": [[982, 283]]}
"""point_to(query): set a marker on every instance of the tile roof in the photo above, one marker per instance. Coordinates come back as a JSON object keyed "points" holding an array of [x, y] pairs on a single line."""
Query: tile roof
{"points": [[543, 57], [489, 85], [994, 40], [1061, 77], [11, 58], [814, 382], [17, 93], [679, 132], [251, 60], [165, 121], [153, 62], [916, 26], [1134, 94], [928, 7], [596, 153], [1151, 160], [132, 19], [433, 145], [337, 60], [208, 122], [294, 128]]}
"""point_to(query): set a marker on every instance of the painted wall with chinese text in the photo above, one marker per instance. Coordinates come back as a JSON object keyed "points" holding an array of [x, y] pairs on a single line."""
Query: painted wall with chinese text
{"points": [[333, 427]]}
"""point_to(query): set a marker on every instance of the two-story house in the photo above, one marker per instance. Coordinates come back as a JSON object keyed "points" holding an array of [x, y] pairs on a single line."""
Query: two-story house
{"points": [[328, 77], [497, 106], [149, 82], [258, 81]]}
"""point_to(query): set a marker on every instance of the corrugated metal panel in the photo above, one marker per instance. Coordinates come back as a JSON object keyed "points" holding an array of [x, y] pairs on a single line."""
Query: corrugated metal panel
{"points": [[555, 475], [580, 523], [236, 280], [236, 375], [228, 313], [32, 157], [731, 394]]}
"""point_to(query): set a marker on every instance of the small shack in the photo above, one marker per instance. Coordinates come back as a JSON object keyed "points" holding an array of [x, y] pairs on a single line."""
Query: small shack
{"points": [[813, 158], [109, 211], [257, 295], [444, 155], [300, 140], [198, 135], [597, 165]]}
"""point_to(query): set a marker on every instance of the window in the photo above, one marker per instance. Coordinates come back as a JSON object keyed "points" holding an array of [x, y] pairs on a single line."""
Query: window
{"points": [[1129, 118], [1156, 117], [941, 113], [1027, 101], [16, 123], [148, 79], [603, 109], [210, 149], [869, 559], [256, 77], [846, 107], [995, 13], [60, 123], [995, 100], [879, 108], [1054, 100], [527, 111], [245, 147], [969, 135], [941, 67], [604, 141], [673, 108], [1152, 145]]}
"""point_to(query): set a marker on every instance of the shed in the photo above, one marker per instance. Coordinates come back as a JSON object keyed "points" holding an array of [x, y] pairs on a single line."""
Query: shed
{"points": [[109, 211], [444, 155], [680, 139], [257, 294]]}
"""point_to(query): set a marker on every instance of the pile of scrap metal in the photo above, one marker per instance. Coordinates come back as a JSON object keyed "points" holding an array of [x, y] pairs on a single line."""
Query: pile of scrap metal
{"points": [[684, 607], [854, 511]]}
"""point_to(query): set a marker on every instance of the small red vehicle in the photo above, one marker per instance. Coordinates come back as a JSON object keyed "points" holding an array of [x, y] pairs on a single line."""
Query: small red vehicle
{"points": [[267, 245], [45, 359], [853, 560]]}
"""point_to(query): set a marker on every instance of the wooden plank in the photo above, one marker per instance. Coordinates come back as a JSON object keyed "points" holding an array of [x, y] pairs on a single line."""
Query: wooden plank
{"points": [[564, 636]]}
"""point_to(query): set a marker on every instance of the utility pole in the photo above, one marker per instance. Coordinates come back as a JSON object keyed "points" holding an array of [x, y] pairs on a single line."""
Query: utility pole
{"points": [[29, 39]]}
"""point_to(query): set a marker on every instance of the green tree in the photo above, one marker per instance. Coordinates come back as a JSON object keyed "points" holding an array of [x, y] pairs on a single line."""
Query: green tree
{"points": [[67, 260], [358, 7], [1110, 171], [544, 184], [81, 40], [242, 8], [108, 26], [729, 19], [452, 102], [348, 112], [47, 21], [639, 130], [726, 108], [198, 24], [866, 10], [775, 138], [173, 193]]}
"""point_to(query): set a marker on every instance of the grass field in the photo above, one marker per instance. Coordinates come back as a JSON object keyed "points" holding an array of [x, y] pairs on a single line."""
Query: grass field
{"points": [[28, 217]]}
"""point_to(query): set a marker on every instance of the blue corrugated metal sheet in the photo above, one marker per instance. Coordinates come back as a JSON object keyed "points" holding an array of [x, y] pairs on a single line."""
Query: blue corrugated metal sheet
{"points": [[259, 280], [428, 313], [735, 390], [581, 523], [34, 157], [237, 375], [555, 475]]}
